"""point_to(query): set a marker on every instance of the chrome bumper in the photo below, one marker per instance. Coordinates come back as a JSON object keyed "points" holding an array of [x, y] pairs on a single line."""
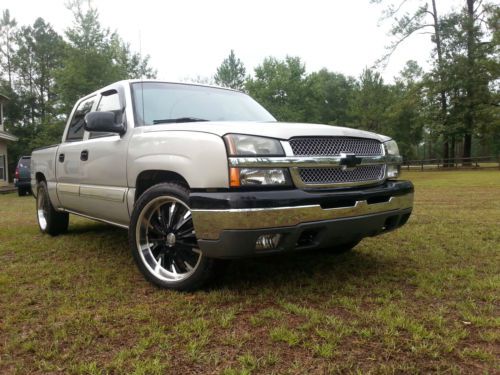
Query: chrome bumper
{"points": [[210, 223]]}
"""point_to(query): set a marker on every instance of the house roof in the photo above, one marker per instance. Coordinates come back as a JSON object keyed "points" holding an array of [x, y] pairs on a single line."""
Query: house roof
{"points": [[8, 137], [4, 98]]}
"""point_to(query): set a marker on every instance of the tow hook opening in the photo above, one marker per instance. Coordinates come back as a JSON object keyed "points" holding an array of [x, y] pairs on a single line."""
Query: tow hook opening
{"points": [[390, 223], [307, 238]]}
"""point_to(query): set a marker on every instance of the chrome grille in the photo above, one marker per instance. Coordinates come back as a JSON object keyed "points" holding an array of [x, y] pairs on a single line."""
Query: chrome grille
{"points": [[328, 146], [336, 175]]}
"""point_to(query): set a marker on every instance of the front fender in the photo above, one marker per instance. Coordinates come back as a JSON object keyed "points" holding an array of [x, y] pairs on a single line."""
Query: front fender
{"points": [[198, 157]]}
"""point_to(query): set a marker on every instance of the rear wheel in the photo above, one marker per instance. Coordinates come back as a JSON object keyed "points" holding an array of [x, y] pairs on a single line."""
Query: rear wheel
{"points": [[163, 241], [21, 191], [49, 220]]}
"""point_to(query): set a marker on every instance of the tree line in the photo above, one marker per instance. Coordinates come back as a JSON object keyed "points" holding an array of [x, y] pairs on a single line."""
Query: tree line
{"points": [[43, 73], [449, 111]]}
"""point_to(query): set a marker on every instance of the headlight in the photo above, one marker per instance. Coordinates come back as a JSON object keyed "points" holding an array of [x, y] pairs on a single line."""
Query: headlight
{"points": [[391, 147], [260, 176], [248, 145]]}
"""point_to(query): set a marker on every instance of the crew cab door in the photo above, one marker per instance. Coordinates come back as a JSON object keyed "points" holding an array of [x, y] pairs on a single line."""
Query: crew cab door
{"points": [[103, 187], [68, 163]]}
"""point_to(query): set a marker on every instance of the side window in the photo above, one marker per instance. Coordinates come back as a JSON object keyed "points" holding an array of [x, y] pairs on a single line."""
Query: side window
{"points": [[111, 103], [76, 130]]}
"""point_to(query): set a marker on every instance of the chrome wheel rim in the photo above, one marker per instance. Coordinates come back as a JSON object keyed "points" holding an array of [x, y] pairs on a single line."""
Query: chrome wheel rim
{"points": [[166, 240], [42, 210]]}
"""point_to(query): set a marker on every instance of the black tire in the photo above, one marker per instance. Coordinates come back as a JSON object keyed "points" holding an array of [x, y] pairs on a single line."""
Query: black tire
{"points": [[164, 261], [21, 191], [49, 220]]}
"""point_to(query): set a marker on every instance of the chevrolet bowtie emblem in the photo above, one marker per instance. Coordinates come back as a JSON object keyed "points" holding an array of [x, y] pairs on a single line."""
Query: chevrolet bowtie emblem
{"points": [[349, 161]]}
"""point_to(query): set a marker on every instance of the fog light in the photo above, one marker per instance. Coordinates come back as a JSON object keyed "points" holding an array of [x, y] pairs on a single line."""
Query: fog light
{"points": [[393, 171], [267, 241]]}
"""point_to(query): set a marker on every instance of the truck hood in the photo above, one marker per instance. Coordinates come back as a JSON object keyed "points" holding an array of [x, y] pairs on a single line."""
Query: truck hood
{"points": [[279, 130]]}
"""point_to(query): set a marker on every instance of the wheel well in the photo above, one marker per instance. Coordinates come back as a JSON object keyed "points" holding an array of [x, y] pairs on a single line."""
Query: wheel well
{"points": [[40, 177], [146, 179]]}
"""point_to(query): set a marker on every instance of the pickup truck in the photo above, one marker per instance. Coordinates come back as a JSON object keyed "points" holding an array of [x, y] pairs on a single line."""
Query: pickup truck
{"points": [[198, 174]]}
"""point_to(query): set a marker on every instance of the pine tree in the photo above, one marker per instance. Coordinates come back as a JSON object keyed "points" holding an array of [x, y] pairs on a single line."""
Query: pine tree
{"points": [[231, 73]]}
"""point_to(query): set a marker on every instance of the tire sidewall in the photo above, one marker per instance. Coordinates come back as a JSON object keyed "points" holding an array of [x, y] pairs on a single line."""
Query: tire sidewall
{"points": [[205, 266]]}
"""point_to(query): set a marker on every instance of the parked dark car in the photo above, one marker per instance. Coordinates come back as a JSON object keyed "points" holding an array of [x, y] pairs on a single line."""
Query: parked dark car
{"points": [[22, 177]]}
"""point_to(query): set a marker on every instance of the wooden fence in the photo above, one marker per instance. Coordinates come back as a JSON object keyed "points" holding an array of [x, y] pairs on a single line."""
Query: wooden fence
{"points": [[453, 163]]}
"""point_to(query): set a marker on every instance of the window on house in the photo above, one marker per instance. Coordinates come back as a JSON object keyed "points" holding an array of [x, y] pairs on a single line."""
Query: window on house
{"points": [[2, 168]]}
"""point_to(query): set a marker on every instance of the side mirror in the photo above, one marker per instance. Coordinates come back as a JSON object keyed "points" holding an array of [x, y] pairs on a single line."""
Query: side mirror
{"points": [[103, 122]]}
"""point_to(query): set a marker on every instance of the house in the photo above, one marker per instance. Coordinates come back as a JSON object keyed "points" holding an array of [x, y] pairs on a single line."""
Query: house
{"points": [[4, 139]]}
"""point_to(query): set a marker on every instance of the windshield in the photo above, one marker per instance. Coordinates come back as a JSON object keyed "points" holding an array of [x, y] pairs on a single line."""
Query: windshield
{"points": [[157, 103]]}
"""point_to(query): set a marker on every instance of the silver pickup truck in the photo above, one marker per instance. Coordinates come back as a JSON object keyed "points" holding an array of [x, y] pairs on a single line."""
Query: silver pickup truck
{"points": [[198, 173]]}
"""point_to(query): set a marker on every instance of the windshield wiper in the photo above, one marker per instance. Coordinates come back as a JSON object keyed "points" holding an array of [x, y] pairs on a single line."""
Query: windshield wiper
{"points": [[177, 120]]}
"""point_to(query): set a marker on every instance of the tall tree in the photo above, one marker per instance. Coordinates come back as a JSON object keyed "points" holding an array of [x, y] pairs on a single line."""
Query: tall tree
{"points": [[40, 52], [425, 16], [231, 73], [95, 57], [280, 85], [472, 68], [371, 101], [7, 32], [406, 117], [330, 97]]}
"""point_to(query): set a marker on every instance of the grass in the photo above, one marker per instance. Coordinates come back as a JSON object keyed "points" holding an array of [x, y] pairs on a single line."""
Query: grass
{"points": [[418, 300]]}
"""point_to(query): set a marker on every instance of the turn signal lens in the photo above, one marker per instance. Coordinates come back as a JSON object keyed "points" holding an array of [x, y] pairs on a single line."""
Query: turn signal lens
{"points": [[259, 177], [393, 171], [234, 177]]}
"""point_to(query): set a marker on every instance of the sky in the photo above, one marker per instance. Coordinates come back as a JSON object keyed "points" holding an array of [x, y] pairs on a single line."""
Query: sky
{"points": [[190, 38]]}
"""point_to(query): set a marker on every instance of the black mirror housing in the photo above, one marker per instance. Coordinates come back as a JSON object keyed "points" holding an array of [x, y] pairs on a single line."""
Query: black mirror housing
{"points": [[103, 122]]}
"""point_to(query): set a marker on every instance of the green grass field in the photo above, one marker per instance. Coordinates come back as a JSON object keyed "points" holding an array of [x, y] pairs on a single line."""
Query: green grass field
{"points": [[421, 299]]}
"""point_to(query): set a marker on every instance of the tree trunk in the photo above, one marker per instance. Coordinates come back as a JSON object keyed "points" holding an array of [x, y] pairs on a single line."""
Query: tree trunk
{"points": [[467, 149], [469, 115], [444, 104]]}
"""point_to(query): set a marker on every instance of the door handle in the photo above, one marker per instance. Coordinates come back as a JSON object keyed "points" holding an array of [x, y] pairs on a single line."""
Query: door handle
{"points": [[61, 158], [84, 155]]}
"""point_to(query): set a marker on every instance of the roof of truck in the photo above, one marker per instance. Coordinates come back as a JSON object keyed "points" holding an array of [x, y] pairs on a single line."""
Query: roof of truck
{"points": [[129, 81]]}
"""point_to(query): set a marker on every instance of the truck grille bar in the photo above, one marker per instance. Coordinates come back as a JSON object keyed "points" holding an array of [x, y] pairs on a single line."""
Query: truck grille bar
{"points": [[329, 146], [338, 175]]}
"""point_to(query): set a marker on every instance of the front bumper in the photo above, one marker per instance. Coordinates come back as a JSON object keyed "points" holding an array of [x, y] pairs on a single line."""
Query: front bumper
{"points": [[228, 224]]}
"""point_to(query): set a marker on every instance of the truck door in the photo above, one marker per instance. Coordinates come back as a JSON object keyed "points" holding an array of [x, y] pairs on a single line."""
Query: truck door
{"points": [[103, 188], [68, 158]]}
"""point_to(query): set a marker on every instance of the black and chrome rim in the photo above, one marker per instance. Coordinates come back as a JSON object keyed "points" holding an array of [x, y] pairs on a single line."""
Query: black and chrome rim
{"points": [[42, 210], [166, 240]]}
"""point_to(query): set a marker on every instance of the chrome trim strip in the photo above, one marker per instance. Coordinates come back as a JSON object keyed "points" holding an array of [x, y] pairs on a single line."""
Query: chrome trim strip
{"points": [[112, 194], [95, 218], [307, 161], [210, 223], [69, 189]]}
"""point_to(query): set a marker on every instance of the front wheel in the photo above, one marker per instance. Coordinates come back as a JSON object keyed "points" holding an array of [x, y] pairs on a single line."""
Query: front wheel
{"points": [[163, 241]]}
